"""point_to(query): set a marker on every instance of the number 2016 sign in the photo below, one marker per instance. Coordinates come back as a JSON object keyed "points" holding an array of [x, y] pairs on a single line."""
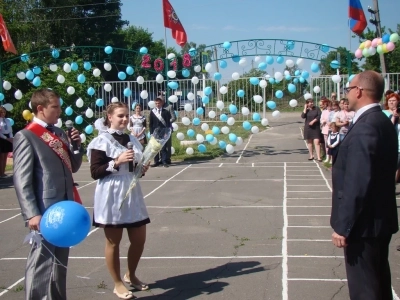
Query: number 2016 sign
{"points": [[158, 64]]}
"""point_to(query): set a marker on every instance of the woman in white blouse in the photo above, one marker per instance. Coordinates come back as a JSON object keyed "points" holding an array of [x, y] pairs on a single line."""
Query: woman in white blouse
{"points": [[6, 139]]}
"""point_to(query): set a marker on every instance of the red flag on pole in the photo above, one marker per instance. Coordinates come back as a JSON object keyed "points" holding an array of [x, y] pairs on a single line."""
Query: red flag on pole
{"points": [[172, 21], [5, 37]]}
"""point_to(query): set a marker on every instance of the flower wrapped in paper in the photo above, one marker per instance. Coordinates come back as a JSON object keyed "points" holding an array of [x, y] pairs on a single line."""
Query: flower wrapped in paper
{"points": [[157, 140]]}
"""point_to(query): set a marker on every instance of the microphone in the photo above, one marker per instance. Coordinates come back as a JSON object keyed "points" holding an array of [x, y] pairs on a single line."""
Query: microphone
{"points": [[130, 164], [69, 124]]}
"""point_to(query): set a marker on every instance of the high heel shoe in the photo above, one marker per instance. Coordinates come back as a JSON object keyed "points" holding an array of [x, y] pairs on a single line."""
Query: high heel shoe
{"points": [[127, 295], [140, 287], [312, 158]]}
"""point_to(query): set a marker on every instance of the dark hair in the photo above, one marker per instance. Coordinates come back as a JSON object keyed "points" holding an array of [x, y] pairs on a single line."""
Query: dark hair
{"points": [[42, 97], [388, 92], [334, 124], [309, 101], [159, 98], [385, 104], [139, 105], [3, 109], [335, 102], [110, 110]]}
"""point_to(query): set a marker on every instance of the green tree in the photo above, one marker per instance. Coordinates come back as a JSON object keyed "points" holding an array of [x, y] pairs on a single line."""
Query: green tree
{"points": [[344, 56]]}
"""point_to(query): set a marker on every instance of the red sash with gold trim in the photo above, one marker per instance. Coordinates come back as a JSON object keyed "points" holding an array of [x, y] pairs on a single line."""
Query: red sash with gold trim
{"points": [[58, 146]]}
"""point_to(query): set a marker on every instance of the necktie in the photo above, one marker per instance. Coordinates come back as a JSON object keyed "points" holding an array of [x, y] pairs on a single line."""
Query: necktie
{"points": [[50, 127]]}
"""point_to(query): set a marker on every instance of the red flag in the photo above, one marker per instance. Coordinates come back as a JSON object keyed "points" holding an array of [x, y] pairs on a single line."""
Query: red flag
{"points": [[172, 21], [6, 38]]}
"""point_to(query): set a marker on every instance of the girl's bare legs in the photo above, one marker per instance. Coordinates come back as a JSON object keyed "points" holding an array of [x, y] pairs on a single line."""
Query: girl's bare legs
{"points": [[310, 148], [317, 148], [137, 237]]}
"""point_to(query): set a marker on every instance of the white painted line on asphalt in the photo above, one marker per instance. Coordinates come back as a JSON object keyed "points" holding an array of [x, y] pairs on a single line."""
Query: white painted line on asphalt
{"points": [[307, 185], [231, 167], [314, 179], [308, 206], [305, 175], [308, 240], [252, 165], [244, 149], [395, 297], [309, 215], [317, 279], [285, 293], [309, 191], [298, 226], [10, 218], [309, 198], [323, 176], [9, 209], [83, 181], [220, 165], [212, 180], [314, 256], [81, 187], [11, 286], [214, 206], [161, 257]]}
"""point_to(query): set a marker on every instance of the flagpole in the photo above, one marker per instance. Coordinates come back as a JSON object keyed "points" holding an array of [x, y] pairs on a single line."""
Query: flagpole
{"points": [[165, 37]]}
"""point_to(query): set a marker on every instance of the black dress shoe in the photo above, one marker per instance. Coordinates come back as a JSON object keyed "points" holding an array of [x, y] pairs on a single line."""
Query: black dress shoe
{"points": [[165, 166], [154, 165]]}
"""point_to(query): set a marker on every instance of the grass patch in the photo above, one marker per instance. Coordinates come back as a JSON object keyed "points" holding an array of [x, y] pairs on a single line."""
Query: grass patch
{"points": [[19, 288]]}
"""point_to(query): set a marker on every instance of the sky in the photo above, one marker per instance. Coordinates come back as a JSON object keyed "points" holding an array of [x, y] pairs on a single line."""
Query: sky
{"points": [[215, 21]]}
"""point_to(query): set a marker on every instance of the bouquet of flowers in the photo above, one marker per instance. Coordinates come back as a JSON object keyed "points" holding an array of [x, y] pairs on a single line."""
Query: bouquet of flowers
{"points": [[157, 140]]}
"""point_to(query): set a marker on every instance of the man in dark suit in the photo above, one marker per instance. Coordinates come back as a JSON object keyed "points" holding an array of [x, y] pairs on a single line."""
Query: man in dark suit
{"points": [[160, 118], [171, 111], [364, 209]]}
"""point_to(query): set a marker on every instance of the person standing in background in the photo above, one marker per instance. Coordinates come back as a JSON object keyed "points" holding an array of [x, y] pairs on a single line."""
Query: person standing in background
{"points": [[6, 140], [169, 108]]}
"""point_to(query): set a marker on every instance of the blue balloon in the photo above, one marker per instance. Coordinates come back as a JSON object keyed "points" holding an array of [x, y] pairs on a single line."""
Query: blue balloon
{"points": [[280, 60], [314, 67], [143, 50], [240, 93], [74, 66], [192, 52], [226, 45], [297, 73], [37, 70], [232, 137], [205, 100], [236, 58], [68, 111], [256, 117], [209, 137], [65, 224], [290, 45], [334, 64], [302, 80], [207, 91], [288, 77], [89, 129], [262, 66], [196, 121], [55, 53], [190, 133], [386, 38], [271, 104], [216, 130], [99, 102], [185, 73], [202, 148], [271, 80], [269, 60], [81, 78], [1, 96], [11, 121], [90, 91], [78, 120], [87, 65], [291, 88], [246, 125], [173, 85], [223, 64], [36, 81], [223, 117], [121, 75], [279, 94], [233, 109], [200, 111], [222, 144], [254, 81], [29, 75], [217, 76], [296, 80], [305, 74], [61, 102], [324, 48], [25, 57], [351, 77], [129, 70], [108, 50], [127, 92]]}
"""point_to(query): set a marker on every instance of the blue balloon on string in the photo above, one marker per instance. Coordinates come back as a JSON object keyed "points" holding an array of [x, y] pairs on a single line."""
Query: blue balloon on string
{"points": [[240, 93], [305, 74], [143, 50], [90, 91], [233, 109], [121, 75], [78, 120], [236, 58], [192, 52], [386, 38], [37, 70], [99, 102], [185, 73], [89, 129], [61, 102], [127, 92], [74, 66], [196, 121], [223, 117], [290, 45], [209, 138], [256, 117], [190, 133], [296, 80], [29, 75], [87, 65], [1, 96], [288, 77], [246, 125], [207, 91], [217, 76], [280, 60], [262, 66], [272, 80], [232, 137], [129, 70], [25, 57], [216, 130], [223, 64], [279, 94], [173, 85], [226, 45], [65, 224], [291, 88], [11, 121], [36, 81], [55, 53], [324, 48], [222, 144], [302, 80], [297, 73], [269, 60], [68, 111], [81, 78], [205, 100], [108, 50], [200, 111], [254, 81], [334, 64], [271, 104], [202, 148], [314, 67]]}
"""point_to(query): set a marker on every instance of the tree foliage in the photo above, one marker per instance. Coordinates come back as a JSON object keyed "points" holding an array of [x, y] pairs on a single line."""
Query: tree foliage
{"points": [[345, 58]]}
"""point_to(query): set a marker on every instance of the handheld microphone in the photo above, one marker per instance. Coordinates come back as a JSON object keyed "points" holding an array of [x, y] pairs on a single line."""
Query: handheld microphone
{"points": [[130, 164], [69, 124]]}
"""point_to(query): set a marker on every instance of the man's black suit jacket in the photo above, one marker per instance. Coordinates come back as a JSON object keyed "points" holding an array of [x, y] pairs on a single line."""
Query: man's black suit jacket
{"points": [[156, 123], [363, 177]]}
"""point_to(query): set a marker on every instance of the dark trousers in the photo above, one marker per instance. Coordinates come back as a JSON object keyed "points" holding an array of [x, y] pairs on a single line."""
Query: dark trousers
{"points": [[368, 270], [164, 156], [168, 145]]}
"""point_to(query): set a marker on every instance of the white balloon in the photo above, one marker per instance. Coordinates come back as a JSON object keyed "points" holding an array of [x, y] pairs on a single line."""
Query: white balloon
{"points": [[214, 141], [79, 102], [195, 80], [144, 94], [278, 76], [263, 84], [223, 90], [276, 114], [225, 129], [239, 141], [59, 123], [197, 68], [336, 78], [208, 67], [171, 74], [140, 80], [8, 106], [180, 136], [205, 127], [67, 68], [185, 121], [286, 72], [173, 98], [175, 126], [245, 111], [60, 79], [189, 151], [255, 130], [151, 104], [190, 96], [107, 67], [257, 99], [211, 114], [317, 89], [21, 75], [257, 59], [89, 113], [96, 72], [83, 137], [220, 104], [242, 62], [107, 87], [159, 78], [307, 96], [371, 51], [347, 84], [299, 62], [264, 122], [293, 103], [230, 121], [53, 67], [171, 56], [199, 138], [267, 76], [114, 99], [229, 149], [188, 107], [71, 90], [172, 150], [235, 76], [290, 63], [30, 104], [6, 85], [18, 95]]}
